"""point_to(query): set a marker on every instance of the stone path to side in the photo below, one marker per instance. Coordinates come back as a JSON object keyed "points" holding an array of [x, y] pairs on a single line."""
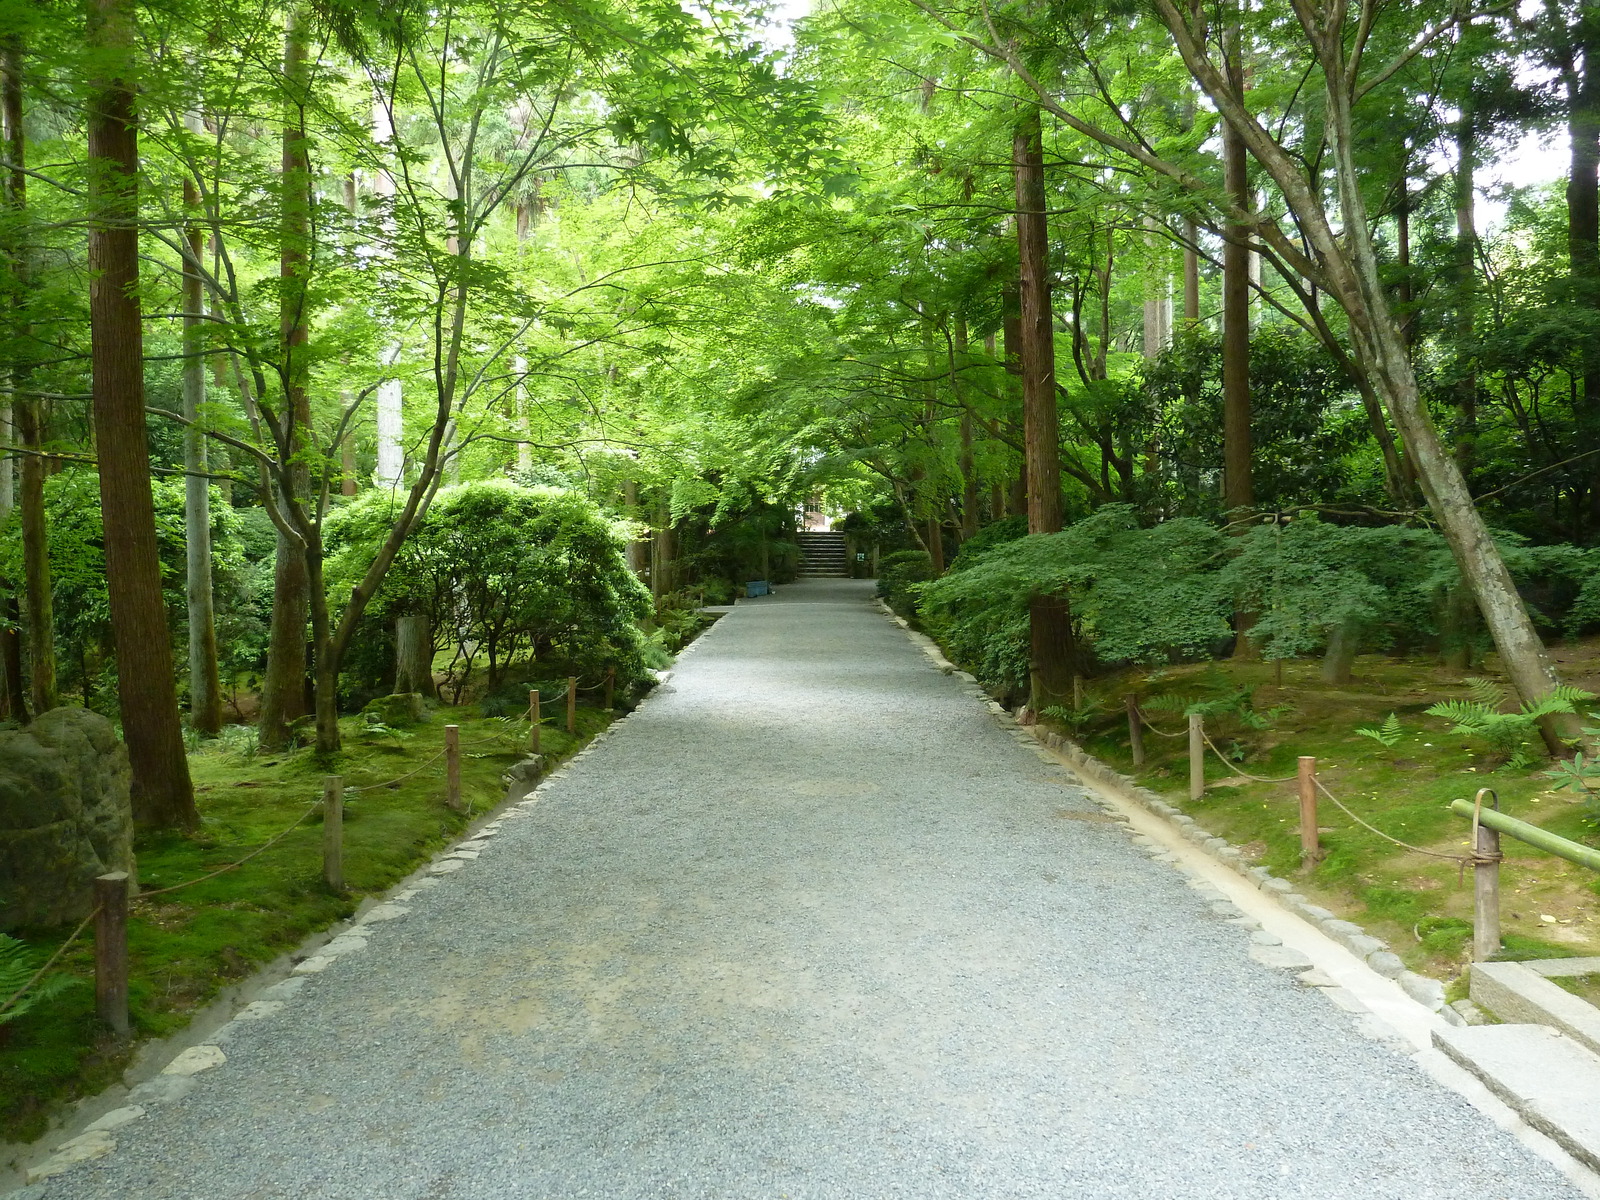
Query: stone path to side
{"points": [[810, 924]]}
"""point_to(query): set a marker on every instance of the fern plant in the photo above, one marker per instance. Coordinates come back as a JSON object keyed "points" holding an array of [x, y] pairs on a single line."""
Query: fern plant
{"points": [[1238, 705], [1387, 735], [18, 964], [1508, 735]]}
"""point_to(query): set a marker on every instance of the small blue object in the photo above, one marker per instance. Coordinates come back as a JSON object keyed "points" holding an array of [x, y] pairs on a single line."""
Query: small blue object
{"points": [[757, 587]]}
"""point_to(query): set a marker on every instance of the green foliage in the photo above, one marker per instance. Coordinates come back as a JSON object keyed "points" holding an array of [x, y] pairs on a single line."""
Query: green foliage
{"points": [[1508, 735], [1387, 735], [899, 574], [506, 575], [1233, 704], [1137, 595], [19, 963]]}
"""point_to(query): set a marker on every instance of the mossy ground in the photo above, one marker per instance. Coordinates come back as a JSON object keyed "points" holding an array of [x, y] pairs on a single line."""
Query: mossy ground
{"points": [[1420, 905], [184, 947]]}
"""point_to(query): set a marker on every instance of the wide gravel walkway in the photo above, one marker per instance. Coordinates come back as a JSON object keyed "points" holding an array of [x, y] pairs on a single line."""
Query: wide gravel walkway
{"points": [[810, 924]]}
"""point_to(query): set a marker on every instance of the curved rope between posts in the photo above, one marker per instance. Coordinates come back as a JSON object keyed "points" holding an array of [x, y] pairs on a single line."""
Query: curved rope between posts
{"points": [[1224, 760], [368, 787], [265, 846], [1462, 860], [1145, 721], [49, 962]]}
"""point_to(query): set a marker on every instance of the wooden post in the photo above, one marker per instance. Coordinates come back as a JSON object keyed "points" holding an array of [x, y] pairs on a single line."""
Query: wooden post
{"points": [[452, 766], [572, 704], [1486, 896], [1135, 729], [111, 951], [611, 686], [533, 715], [1197, 756], [333, 832], [1310, 847]]}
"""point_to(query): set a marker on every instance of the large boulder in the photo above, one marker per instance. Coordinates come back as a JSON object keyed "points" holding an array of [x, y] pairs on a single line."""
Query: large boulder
{"points": [[65, 816], [399, 711]]}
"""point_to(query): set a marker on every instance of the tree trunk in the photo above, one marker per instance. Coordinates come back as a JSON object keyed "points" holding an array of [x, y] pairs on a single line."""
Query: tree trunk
{"points": [[935, 539], [1238, 490], [413, 654], [1466, 288], [1583, 221], [1522, 653], [146, 691], [1052, 649], [638, 548], [1238, 486], [1191, 272], [28, 409], [1402, 231], [661, 552], [284, 684], [205, 692]]}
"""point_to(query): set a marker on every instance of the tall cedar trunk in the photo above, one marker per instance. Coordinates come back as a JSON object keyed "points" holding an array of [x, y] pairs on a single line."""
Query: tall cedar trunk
{"points": [[1011, 337], [413, 654], [1466, 283], [1052, 651], [28, 409], [147, 695], [661, 551], [935, 540], [969, 475], [1583, 222], [638, 548], [1238, 486], [13, 706], [284, 685], [1191, 272], [205, 693], [1238, 490]]}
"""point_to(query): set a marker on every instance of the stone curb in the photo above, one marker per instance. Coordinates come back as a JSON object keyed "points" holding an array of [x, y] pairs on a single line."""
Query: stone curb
{"points": [[1374, 951], [176, 1079]]}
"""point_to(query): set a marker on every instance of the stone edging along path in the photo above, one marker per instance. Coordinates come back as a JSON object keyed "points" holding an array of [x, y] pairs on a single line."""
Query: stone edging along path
{"points": [[1375, 952], [194, 1051]]}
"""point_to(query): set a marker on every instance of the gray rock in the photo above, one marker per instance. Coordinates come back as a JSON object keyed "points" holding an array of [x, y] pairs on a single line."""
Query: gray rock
{"points": [[1281, 958], [1262, 938], [64, 816], [1280, 886], [1362, 945], [1423, 990], [1387, 963]]}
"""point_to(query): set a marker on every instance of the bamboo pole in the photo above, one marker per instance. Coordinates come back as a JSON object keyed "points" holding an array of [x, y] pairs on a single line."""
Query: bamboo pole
{"points": [[533, 716], [572, 704]]}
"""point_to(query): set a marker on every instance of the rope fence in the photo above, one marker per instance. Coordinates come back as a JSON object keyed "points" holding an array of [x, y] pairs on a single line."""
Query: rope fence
{"points": [[112, 891], [1484, 855]]}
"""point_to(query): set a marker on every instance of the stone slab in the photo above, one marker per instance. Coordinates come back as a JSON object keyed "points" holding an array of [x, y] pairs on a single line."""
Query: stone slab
{"points": [[1513, 992], [70, 1154], [1552, 968], [194, 1060], [1552, 1081]]}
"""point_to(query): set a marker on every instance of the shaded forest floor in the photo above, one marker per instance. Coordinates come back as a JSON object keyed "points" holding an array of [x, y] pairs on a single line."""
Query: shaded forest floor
{"points": [[1420, 905], [186, 946]]}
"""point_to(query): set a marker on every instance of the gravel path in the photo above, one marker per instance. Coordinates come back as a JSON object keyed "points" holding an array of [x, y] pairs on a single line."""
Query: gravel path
{"points": [[811, 924]]}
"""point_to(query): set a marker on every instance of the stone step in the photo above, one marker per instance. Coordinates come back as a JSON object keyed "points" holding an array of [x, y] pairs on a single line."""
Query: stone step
{"points": [[1550, 1080]]}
